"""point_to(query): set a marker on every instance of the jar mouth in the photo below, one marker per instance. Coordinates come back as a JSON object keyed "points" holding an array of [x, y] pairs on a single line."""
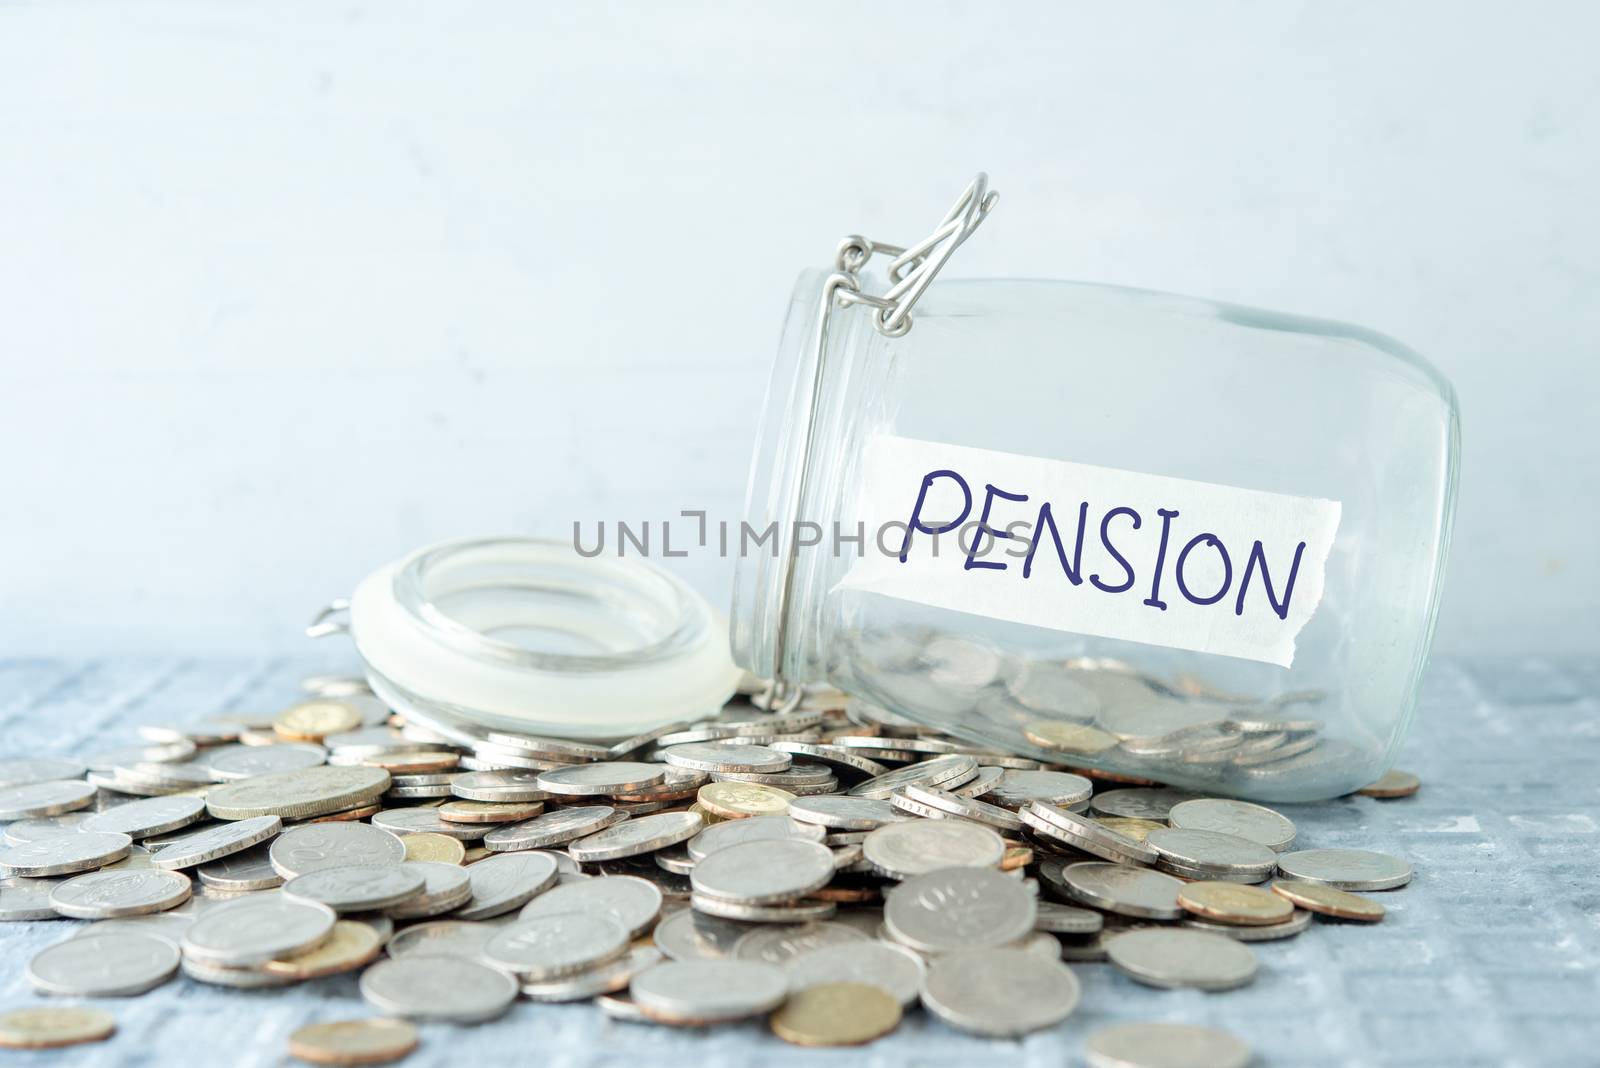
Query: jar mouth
{"points": [[540, 604]]}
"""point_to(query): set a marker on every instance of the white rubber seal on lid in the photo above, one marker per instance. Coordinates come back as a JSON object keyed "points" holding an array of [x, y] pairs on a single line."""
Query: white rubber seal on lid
{"points": [[515, 633]]}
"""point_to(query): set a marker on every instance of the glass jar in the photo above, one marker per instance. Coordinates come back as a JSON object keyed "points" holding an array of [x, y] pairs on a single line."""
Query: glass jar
{"points": [[528, 636], [1233, 587]]}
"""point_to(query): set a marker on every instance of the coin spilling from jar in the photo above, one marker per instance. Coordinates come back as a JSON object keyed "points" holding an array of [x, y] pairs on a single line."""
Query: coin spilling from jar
{"points": [[828, 867]]}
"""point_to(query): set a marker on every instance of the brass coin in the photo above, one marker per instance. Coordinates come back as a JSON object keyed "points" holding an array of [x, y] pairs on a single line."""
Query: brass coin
{"points": [[1016, 857], [1131, 826], [351, 945], [489, 811], [1394, 783], [1248, 906], [477, 853], [737, 800], [1068, 737], [705, 813], [53, 1028], [1341, 904], [312, 721], [346, 1042], [836, 1014], [436, 847]]}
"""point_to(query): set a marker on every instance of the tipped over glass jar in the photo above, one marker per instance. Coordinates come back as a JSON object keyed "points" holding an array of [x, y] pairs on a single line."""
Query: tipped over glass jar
{"points": [[1155, 535]]}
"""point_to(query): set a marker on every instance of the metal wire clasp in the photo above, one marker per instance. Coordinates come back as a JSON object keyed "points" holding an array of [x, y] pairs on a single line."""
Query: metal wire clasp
{"points": [[912, 270]]}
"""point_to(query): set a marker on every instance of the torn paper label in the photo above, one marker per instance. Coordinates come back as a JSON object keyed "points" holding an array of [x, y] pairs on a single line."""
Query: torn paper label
{"points": [[1092, 550]]}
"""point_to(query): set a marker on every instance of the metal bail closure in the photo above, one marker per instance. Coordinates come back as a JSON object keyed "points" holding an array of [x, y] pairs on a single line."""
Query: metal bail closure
{"points": [[911, 272]]}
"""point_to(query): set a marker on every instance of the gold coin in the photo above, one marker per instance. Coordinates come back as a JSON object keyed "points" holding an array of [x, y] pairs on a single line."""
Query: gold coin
{"points": [[477, 853], [489, 811], [1069, 737], [836, 1014], [737, 800], [354, 1042], [351, 945], [1016, 857], [1129, 826], [432, 846], [54, 1027], [1340, 904], [1244, 906], [1393, 784], [312, 721], [705, 813], [346, 816]]}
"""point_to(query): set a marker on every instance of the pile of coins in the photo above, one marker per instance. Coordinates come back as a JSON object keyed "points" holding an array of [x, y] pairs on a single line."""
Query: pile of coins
{"points": [[829, 867]]}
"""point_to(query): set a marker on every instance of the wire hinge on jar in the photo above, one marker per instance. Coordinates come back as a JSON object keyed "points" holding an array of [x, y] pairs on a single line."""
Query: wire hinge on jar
{"points": [[911, 271]]}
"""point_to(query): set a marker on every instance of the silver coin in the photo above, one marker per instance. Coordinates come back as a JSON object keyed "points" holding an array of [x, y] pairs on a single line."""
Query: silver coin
{"points": [[947, 771], [709, 991], [132, 778], [557, 944], [1141, 803], [1085, 834], [690, 935], [629, 746], [959, 908], [147, 817], [1180, 957], [1066, 919], [516, 785], [843, 812], [1016, 789], [1124, 889], [44, 799], [118, 964], [445, 887], [834, 756], [357, 887], [314, 846], [452, 989], [452, 938], [751, 829], [375, 741], [300, 794], [1269, 932], [250, 760], [1240, 818], [234, 978], [402, 821], [30, 770], [778, 945], [901, 850], [256, 929], [552, 828], [27, 899], [1001, 993], [765, 871], [895, 970], [217, 842], [632, 837], [250, 869], [604, 779], [795, 913], [42, 827], [506, 881], [1344, 869], [603, 979], [168, 925], [676, 860], [64, 855], [946, 804], [1211, 855], [1164, 1045], [105, 895], [123, 756], [717, 756], [633, 902]]}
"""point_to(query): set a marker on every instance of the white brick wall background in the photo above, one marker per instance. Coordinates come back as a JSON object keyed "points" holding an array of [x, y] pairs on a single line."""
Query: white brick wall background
{"points": [[288, 289]]}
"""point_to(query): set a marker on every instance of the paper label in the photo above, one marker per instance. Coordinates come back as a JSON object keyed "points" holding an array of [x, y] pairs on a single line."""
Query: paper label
{"points": [[1092, 550]]}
